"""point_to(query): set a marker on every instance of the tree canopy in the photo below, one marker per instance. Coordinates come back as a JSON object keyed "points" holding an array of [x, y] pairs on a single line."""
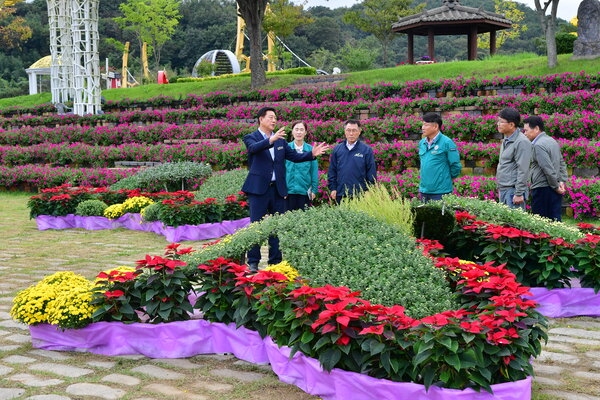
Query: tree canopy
{"points": [[152, 21]]}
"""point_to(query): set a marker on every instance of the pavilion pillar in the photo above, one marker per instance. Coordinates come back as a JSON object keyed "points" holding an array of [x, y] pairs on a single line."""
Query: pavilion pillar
{"points": [[492, 43], [32, 82], [431, 44], [411, 48], [472, 43]]}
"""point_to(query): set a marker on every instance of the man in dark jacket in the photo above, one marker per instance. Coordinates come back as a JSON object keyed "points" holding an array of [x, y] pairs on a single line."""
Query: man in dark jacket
{"points": [[351, 165], [265, 184]]}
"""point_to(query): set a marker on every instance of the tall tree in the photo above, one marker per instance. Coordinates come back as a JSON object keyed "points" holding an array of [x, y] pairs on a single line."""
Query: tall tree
{"points": [[253, 13], [549, 26], [511, 11], [152, 22], [377, 17], [13, 30], [281, 19]]}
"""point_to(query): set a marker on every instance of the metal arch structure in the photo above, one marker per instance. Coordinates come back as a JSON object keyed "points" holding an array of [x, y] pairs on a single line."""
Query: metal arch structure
{"points": [[59, 21], [75, 68], [215, 57]]}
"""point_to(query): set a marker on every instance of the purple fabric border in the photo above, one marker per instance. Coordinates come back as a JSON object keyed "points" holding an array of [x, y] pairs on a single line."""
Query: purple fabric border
{"points": [[134, 222], [568, 302], [189, 338]]}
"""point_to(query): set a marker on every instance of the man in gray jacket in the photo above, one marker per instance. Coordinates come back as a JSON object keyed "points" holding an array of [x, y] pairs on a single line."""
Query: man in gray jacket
{"points": [[548, 172], [512, 172]]}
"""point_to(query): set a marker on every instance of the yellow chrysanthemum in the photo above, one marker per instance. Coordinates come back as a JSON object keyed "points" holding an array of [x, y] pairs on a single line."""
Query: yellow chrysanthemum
{"points": [[284, 268], [114, 211], [136, 204], [35, 304]]}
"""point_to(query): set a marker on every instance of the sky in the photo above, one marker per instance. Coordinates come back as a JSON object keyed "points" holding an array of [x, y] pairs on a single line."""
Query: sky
{"points": [[567, 9]]}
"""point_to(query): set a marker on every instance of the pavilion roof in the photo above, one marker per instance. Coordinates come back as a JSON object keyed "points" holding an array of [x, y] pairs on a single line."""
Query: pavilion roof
{"points": [[451, 18]]}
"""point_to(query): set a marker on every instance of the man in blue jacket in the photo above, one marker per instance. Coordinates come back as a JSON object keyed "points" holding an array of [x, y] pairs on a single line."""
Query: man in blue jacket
{"points": [[351, 165], [265, 184], [440, 161]]}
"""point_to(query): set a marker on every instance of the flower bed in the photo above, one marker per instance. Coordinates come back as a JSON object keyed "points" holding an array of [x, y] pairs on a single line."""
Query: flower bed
{"points": [[488, 340], [188, 338], [135, 222], [393, 155], [460, 86]]}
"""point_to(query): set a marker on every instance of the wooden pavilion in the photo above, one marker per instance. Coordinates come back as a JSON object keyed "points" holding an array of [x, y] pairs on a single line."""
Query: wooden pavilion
{"points": [[451, 19]]}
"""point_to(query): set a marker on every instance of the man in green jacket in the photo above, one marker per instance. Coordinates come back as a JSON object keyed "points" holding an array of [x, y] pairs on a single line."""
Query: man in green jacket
{"points": [[440, 161]]}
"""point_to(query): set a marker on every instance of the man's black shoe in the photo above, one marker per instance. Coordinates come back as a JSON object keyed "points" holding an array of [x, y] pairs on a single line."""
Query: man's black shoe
{"points": [[253, 267]]}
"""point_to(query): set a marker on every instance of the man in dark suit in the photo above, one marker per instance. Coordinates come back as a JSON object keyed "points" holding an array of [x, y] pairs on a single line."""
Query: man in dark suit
{"points": [[265, 185]]}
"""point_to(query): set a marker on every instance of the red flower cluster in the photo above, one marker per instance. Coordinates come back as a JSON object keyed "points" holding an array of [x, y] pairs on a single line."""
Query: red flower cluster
{"points": [[117, 276], [158, 263]]}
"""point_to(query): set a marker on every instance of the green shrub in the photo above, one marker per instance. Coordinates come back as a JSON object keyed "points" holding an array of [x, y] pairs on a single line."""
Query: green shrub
{"points": [[433, 220], [91, 208], [222, 184], [169, 177], [205, 68], [130, 183], [565, 42], [342, 247], [151, 213]]}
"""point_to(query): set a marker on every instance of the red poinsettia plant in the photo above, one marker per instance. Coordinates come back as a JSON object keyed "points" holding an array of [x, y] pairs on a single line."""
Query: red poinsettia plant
{"points": [[490, 339], [158, 290], [537, 259]]}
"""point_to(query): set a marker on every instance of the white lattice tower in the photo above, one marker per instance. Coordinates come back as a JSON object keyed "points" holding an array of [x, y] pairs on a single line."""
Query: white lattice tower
{"points": [[86, 60], [61, 51]]}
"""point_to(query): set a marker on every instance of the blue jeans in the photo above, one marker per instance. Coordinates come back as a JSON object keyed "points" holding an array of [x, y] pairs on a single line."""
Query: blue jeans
{"points": [[429, 197], [506, 197]]}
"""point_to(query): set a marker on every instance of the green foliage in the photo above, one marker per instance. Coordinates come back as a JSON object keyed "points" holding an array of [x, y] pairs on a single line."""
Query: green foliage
{"points": [[331, 245], [433, 220], [152, 212], [377, 16], [91, 208], [565, 42], [222, 184], [129, 183], [494, 212], [587, 254], [358, 57], [152, 22], [168, 176], [205, 68], [218, 282], [385, 205]]}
